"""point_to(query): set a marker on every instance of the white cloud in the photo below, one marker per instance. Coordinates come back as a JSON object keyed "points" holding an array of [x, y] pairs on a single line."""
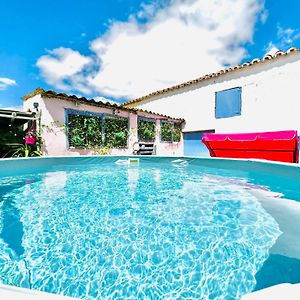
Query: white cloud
{"points": [[16, 107], [62, 68], [6, 82], [173, 43]]}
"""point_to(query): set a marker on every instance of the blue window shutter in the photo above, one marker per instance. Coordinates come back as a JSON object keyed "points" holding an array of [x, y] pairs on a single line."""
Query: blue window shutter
{"points": [[228, 103]]}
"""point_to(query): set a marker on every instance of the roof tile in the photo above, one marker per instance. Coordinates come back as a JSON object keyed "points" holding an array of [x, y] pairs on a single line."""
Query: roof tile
{"points": [[64, 96]]}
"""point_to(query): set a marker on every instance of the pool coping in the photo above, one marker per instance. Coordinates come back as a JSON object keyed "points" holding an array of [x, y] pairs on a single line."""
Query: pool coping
{"points": [[297, 165]]}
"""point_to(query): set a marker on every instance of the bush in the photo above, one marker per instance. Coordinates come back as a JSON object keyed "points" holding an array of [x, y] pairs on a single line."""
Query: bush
{"points": [[14, 135]]}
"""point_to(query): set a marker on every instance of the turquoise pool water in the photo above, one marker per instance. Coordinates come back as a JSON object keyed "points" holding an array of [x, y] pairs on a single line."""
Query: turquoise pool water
{"points": [[163, 229]]}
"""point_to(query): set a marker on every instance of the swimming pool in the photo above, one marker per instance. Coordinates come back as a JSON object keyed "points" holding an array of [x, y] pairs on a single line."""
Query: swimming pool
{"points": [[166, 228]]}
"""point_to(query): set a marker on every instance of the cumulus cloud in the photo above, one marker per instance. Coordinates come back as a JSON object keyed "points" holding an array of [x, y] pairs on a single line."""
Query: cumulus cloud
{"points": [[63, 67], [6, 82], [159, 46]]}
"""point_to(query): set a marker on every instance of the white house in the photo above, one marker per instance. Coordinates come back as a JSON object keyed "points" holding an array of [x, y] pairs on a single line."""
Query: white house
{"points": [[261, 95]]}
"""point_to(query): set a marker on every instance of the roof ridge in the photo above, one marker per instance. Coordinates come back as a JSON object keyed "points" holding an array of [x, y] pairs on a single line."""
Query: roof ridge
{"points": [[266, 57]]}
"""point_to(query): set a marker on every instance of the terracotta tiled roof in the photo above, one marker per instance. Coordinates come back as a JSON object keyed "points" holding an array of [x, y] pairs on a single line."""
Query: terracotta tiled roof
{"points": [[74, 98], [266, 58]]}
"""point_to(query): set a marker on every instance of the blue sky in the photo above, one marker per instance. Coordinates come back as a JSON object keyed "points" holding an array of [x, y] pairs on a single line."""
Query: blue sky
{"points": [[124, 49]]}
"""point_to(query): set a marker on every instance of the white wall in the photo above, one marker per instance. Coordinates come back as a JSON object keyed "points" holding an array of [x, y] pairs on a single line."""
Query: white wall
{"points": [[270, 99], [54, 134]]}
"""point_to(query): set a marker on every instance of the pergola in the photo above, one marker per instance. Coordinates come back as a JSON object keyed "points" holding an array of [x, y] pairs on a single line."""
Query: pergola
{"points": [[10, 118]]}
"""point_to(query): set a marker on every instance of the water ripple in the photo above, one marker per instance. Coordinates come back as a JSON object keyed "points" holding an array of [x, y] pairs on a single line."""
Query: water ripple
{"points": [[150, 233]]}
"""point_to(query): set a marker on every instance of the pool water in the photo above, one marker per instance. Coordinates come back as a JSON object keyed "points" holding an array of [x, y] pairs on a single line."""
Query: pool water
{"points": [[150, 231]]}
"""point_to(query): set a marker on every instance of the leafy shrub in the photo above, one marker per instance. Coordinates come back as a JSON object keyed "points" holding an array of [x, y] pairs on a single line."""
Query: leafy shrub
{"points": [[14, 135], [12, 143], [21, 150]]}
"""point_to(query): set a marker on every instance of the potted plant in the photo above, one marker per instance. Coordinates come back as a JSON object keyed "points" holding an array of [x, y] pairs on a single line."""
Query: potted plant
{"points": [[30, 138]]}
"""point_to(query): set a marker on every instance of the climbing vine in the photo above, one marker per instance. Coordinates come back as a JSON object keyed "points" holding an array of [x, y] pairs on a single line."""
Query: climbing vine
{"points": [[170, 132], [116, 132], [99, 132], [166, 129], [146, 130], [177, 132], [84, 131], [93, 132]]}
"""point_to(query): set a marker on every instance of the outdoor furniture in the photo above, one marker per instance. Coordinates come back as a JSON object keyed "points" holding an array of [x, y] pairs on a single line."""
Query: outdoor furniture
{"points": [[144, 148], [277, 146]]}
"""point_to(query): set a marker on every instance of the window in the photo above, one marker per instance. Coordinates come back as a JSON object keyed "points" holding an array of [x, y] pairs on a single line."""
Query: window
{"points": [[87, 130], [146, 130], [84, 131], [170, 132], [166, 129], [177, 132], [228, 103], [115, 132]]}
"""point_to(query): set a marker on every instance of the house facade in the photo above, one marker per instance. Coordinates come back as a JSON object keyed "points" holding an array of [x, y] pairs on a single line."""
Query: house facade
{"points": [[262, 95], [77, 126]]}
